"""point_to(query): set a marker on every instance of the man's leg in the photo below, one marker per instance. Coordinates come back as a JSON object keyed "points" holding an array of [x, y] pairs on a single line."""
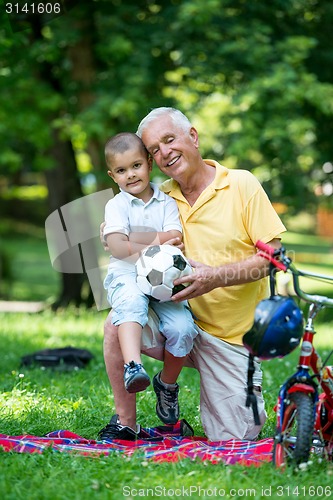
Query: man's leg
{"points": [[125, 402], [223, 383], [152, 345]]}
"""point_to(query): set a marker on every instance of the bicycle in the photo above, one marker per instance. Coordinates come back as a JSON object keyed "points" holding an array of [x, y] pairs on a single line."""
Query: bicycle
{"points": [[304, 411]]}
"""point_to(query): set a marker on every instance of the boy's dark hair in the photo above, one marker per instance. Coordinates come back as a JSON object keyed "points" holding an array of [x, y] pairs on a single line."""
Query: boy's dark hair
{"points": [[120, 143]]}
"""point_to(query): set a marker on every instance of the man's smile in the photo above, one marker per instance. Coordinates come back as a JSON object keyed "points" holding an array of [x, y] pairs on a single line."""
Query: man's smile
{"points": [[173, 161]]}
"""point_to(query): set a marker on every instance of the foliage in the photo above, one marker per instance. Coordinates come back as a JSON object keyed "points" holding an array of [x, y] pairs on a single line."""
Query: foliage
{"points": [[262, 96], [253, 75]]}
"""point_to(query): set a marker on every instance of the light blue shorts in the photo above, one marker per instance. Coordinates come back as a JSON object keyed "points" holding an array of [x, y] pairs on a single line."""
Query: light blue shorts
{"points": [[130, 304]]}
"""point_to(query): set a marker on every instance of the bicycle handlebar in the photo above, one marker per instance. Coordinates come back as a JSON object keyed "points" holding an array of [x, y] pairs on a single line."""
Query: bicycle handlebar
{"points": [[266, 248], [278, 259], [269, 253]]}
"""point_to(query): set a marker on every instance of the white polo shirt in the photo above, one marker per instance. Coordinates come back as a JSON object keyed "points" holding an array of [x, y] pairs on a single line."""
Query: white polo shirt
{"points": [[126, 214]]}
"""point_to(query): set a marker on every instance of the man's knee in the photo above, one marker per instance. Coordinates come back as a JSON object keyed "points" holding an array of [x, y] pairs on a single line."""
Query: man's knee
{"points": [[253, 429], [107, 325], [110, 331], [230, 418]]}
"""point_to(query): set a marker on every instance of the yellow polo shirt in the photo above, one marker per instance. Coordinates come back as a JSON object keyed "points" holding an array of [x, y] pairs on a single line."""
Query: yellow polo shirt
{"points": [[223, 225]]}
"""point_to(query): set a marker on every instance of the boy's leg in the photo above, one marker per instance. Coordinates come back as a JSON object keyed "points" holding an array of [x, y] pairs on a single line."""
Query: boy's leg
{"points": [[129, 335], [166, 388], [129, 313], [176, 324], [172, 367]]}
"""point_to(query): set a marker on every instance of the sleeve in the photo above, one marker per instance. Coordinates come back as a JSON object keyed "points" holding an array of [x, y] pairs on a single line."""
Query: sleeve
{"points": [[261, 220], [116, 218], [171, 215]]}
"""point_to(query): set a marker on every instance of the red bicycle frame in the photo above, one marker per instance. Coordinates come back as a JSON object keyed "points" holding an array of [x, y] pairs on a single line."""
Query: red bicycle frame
{"points": [[309, 360]]}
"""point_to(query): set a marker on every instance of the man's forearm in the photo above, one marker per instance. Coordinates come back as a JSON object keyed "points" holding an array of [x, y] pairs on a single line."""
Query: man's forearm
{"points": [[246, 271], [249, 270]]}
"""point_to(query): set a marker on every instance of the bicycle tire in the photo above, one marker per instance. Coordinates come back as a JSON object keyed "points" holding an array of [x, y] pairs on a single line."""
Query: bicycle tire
{"points": [[293, 441]]}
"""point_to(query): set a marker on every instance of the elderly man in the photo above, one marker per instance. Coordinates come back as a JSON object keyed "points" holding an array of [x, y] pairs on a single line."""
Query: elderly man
{"points": [[223, 213]]}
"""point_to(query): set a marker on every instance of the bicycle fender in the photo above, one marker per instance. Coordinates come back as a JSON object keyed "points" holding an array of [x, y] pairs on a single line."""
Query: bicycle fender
{"points": [[301, 388]]}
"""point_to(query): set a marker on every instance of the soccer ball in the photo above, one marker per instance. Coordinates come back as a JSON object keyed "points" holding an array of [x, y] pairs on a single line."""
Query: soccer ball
{"points": [[157, 268]]}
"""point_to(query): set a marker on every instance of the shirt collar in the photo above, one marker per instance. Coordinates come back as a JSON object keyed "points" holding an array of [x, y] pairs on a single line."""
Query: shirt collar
{"points": [[157, 195], [221, 180]]}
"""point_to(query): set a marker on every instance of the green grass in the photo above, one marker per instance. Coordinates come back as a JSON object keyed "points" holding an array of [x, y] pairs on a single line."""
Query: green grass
{"points": [[26, 249], [38, 401]]}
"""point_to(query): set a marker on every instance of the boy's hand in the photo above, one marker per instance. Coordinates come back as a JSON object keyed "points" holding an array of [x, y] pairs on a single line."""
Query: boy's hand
{"points": [[176, 242]]}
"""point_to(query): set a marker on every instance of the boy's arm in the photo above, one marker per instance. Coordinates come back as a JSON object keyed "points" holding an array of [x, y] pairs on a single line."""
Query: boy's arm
{"points": [[123, 247], [155, 237]]}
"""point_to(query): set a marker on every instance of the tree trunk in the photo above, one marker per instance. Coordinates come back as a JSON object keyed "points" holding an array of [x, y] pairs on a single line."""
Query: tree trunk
{"points": [[64, 186], [62, 180]]}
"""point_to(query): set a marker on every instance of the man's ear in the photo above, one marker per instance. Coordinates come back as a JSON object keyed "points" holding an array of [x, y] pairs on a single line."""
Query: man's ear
{"points": [[150, 163], [194, 136]]}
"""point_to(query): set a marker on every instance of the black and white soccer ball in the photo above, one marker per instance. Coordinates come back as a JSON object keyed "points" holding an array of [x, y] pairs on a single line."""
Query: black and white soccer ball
{"points": [[157, 268]]}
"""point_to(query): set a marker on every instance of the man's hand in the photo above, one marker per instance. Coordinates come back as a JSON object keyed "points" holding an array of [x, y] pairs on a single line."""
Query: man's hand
{"points": [[101, 237], [202, 281]]}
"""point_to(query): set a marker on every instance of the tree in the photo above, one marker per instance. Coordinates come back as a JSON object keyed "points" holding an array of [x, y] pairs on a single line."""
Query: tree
{"points": [[71, 72], [260, 73], [253, 76]]}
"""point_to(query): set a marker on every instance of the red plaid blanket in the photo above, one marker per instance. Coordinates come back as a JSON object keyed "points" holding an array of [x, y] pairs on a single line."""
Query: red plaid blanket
{"points": [[161, 444]]}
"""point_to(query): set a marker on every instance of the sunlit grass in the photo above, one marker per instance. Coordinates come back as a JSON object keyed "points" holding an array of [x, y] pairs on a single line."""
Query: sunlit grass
{"points": [[36, 401], [307, 242]]}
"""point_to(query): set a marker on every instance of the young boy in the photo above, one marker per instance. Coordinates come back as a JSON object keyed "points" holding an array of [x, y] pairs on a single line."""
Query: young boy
{"points": [[140, 216]]}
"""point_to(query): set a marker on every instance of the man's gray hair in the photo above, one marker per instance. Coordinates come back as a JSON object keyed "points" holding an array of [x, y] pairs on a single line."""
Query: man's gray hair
{"points": [[177, 117]]}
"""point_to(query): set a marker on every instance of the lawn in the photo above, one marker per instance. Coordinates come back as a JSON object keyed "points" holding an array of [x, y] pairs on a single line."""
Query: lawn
{"points": [[38, 401]]}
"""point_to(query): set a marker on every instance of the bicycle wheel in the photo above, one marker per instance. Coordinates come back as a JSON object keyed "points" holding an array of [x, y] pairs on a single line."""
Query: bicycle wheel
{"points": [[294, 440]]}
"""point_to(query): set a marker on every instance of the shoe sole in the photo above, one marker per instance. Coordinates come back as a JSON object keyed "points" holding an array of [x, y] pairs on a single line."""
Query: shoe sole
{"points": [[125, 437], [138, 385], [167, 421]]}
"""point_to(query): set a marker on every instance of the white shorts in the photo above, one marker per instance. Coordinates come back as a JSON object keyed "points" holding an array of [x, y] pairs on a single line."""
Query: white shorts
{"points": [[223, 383], [129, 304]]}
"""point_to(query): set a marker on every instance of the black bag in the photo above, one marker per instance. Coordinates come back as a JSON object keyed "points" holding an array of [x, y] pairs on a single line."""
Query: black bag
{"points": [[65, 358]]}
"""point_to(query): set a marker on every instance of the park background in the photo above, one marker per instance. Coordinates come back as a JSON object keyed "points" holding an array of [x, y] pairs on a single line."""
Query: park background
{"points": [[256, 79]]}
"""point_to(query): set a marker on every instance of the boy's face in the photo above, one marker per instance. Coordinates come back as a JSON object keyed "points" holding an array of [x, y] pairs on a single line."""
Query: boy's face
{"points": [[130, 170]]}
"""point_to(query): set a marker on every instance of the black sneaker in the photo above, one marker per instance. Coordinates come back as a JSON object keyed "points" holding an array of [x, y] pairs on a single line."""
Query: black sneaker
{"points": [[114, 430], [136, 378], [167, 408]]}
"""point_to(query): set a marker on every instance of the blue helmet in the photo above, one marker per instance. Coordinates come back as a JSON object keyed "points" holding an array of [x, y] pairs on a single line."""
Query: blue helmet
{"points": [[277, 329]]}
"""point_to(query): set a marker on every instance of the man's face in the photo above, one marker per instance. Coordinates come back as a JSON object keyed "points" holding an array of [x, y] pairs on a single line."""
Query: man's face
{"points": [[172, 148]]}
